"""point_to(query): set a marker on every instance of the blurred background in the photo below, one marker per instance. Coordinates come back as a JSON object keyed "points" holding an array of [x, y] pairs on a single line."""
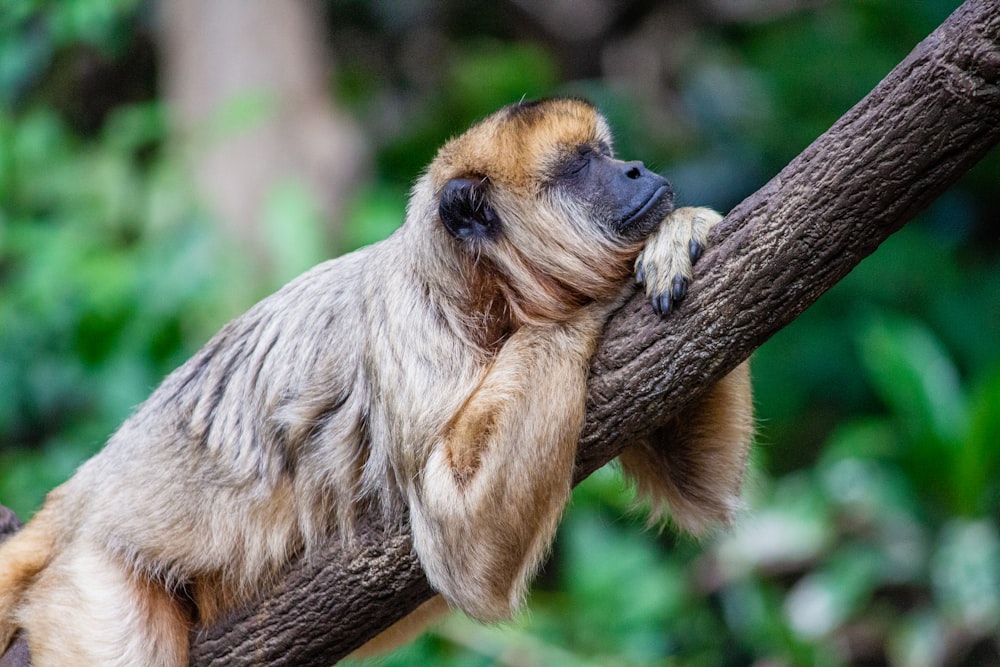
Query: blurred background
{"points": [[164, 165]]}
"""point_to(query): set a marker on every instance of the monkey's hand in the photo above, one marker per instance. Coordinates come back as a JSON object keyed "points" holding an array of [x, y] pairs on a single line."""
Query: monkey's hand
{"points": [[665, 264]]}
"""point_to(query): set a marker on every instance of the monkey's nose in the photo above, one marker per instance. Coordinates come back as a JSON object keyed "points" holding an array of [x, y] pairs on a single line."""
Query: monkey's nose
{"points": [[634, 169]]}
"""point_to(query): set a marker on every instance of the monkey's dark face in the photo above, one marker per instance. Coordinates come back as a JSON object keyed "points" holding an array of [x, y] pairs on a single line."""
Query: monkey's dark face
{"points": [[534, 196], [556, 151], [626, 197]]}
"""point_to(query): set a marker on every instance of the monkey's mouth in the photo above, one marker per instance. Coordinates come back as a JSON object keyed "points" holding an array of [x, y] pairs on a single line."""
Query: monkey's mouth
{"points": [[647, 216]]}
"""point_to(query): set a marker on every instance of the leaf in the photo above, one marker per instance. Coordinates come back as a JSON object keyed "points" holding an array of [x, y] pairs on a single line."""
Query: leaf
{"points": [[978, 460], [920, 640], [913, 374], [823, 600], [293, 226], [792, 530]]}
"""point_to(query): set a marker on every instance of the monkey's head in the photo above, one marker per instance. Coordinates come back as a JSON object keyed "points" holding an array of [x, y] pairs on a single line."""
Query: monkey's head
{"points": [[534, 196]]}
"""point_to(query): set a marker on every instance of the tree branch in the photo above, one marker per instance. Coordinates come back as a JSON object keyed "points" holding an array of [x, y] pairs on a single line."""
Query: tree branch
{"points": [[924, 125], [929, 121]]}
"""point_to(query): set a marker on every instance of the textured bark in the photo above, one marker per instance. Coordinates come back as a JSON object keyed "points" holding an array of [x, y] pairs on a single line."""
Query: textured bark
{"points": [[313, 603], [929, 121]]}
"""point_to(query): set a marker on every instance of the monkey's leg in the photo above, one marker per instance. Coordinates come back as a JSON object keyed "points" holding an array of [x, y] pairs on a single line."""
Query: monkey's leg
{"points": [[486, 505], [693, 467], [22, 557], [86, 608]]}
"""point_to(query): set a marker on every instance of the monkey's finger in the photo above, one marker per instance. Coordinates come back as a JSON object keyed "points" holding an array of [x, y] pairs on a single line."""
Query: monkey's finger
{"points": [[695, 249], [679, 288], [647, 273], [663, 304]]}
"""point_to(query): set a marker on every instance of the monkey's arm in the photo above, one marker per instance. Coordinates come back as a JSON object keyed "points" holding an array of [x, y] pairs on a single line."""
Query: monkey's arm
{"points": [[487, 503], [693, 465]]}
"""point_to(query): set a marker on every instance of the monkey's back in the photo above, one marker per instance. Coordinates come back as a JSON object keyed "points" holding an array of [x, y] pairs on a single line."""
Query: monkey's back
{"points": [[273, 431], [233, 436]]}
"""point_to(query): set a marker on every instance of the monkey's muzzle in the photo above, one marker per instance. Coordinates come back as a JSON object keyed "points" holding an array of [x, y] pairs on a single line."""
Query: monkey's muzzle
{"points": [[649, 199]]}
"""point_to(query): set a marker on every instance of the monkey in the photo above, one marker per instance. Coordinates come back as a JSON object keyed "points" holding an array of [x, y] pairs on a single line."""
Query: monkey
{"points": [[439, 375]]}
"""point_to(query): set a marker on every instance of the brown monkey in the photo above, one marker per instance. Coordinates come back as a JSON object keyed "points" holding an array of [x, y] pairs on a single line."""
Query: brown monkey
{"points": [[441, 371]]}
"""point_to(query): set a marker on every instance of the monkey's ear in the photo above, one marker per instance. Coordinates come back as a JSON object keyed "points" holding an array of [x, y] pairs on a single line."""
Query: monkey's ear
{"points": [[464, 211]]}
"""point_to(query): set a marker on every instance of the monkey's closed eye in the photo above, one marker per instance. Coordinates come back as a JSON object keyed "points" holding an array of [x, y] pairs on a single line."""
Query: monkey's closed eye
{"points": [[577, 167], [579, 161], [602, 149]]}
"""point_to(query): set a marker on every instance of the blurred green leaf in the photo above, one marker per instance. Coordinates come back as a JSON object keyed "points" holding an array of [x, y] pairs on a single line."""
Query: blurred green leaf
{"points": [[486, 75], [978, 460], [914, 376], [97, 22], [295, 230], [374, 214], [791, 529], [614, 609], [920, 640], [823, 600]]}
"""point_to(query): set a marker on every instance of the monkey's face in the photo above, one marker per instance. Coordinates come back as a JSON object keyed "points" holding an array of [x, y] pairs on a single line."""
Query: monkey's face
{"points": [[554, 154], [535, 191], [626, 198]]}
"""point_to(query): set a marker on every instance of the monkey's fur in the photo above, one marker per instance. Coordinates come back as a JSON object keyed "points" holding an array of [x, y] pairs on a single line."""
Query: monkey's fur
{"points": [[441, 371]]}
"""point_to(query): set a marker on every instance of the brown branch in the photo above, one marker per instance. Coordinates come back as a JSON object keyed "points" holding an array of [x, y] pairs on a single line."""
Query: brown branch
{"points": [[927, 123]]}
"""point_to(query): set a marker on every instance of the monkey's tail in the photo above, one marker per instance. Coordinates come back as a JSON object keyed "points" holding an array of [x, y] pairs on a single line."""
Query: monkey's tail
{"points": [[22, 557]]}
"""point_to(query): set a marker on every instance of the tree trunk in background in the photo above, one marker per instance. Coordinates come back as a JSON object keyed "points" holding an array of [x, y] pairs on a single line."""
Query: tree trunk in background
{"points": [[248, 86]]}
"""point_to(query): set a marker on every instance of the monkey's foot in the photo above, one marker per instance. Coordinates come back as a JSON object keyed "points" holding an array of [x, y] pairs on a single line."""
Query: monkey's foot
{"points": [[665, 264]]}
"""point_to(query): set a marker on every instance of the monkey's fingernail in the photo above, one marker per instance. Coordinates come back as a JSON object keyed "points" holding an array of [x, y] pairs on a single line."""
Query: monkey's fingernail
{"points": [[640, 274], [695, 249], [662, 304], [655, 303], [679, 288]]}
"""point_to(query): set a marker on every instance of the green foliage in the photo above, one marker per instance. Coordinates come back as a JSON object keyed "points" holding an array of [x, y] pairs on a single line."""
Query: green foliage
{"points": [[33, 32], [889, 551], [104, 267]]}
